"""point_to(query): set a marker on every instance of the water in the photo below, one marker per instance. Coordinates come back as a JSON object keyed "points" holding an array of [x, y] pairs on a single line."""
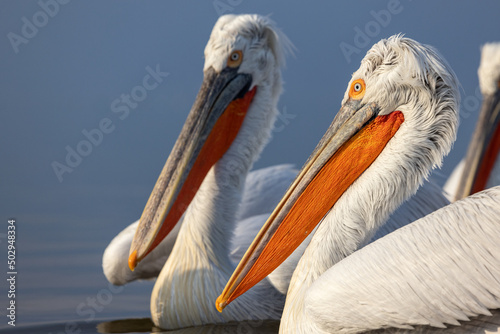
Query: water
{"points": [[60, 287], [144, 325], [59, 279]]}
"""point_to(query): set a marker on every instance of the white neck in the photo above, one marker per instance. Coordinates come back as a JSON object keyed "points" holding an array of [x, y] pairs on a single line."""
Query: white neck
{"points": [[199, 265], [210, 219], [365, 206]]}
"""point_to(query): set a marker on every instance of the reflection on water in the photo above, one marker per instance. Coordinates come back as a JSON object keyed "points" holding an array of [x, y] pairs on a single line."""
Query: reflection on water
{"points": [[143, 325], [54, 328], [146, 325]]}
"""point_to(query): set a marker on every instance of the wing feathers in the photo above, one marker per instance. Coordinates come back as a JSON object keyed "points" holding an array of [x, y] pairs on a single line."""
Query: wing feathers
{"points": [[440, 270]]}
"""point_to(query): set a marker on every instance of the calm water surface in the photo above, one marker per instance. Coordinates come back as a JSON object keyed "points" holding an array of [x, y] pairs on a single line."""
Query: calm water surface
{"points": [[144, 325], [60, 287]]}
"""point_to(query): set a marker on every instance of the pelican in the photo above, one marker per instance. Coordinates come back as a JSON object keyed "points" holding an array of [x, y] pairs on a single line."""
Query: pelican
{"points": [[203, 178], [481, 169], [397, 121]]}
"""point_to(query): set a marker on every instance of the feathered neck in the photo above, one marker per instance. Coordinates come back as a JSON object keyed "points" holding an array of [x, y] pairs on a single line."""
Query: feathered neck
{"points": [[366, 205], [199, 265]]}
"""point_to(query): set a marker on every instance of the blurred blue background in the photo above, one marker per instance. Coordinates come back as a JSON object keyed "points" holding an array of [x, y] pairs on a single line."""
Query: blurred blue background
{"points": [[61, 72]]}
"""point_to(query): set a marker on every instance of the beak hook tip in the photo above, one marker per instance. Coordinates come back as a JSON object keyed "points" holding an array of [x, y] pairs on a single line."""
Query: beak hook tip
{"points": [[132, 260], [220, 304]]}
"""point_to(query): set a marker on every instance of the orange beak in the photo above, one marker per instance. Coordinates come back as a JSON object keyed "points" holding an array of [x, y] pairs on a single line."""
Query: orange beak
{"points": [[483, 148], [211, 127], [352, 142]]}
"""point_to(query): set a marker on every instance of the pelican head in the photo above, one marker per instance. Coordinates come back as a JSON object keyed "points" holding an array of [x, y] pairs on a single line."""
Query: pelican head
{"points": [[485, 143], [398, 119], [239, 93]]}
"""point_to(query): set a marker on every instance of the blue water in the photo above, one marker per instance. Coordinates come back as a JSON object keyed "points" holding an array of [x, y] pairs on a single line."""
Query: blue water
{"points": [[60, 288], [141, 326], [59, 278]]}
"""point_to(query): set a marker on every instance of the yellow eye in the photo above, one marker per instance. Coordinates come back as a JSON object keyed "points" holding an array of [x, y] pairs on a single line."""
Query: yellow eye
{"points": [[357, 89], [235, 59]]}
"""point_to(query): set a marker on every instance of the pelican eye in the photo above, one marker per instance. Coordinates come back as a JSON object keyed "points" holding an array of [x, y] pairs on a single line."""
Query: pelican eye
{"points": [[357, 90], [235, 59]]}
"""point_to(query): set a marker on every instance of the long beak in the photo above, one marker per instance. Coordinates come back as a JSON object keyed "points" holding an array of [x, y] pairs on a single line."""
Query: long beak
{"points": [[483, 149], [353, 141], [211, 127]]}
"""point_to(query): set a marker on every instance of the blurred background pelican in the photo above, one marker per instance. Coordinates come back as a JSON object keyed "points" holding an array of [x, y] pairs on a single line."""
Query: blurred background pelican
{"points": [[480, 169]]}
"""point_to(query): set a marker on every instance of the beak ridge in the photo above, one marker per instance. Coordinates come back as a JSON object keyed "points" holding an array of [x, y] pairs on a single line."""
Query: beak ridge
{"points": [[321, 181], [185, 169], [483, 149]]}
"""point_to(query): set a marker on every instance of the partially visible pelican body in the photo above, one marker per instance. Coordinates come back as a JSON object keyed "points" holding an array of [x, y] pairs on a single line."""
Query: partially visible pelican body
{"points": [[261, 193], [480, 169], [204, 176], [398, 119]]}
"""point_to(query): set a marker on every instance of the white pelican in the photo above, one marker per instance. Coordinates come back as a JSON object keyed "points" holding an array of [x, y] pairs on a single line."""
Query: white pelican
{"points": [[397, 121], [203, 178], [481, 167]]}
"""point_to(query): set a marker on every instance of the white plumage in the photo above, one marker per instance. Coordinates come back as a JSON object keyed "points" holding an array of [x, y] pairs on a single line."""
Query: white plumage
{"points": [[429, 198], [400, 74], [489, 68], [451, 185], [439, 270], [262, 191], [115, 257], [200, 260]]}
